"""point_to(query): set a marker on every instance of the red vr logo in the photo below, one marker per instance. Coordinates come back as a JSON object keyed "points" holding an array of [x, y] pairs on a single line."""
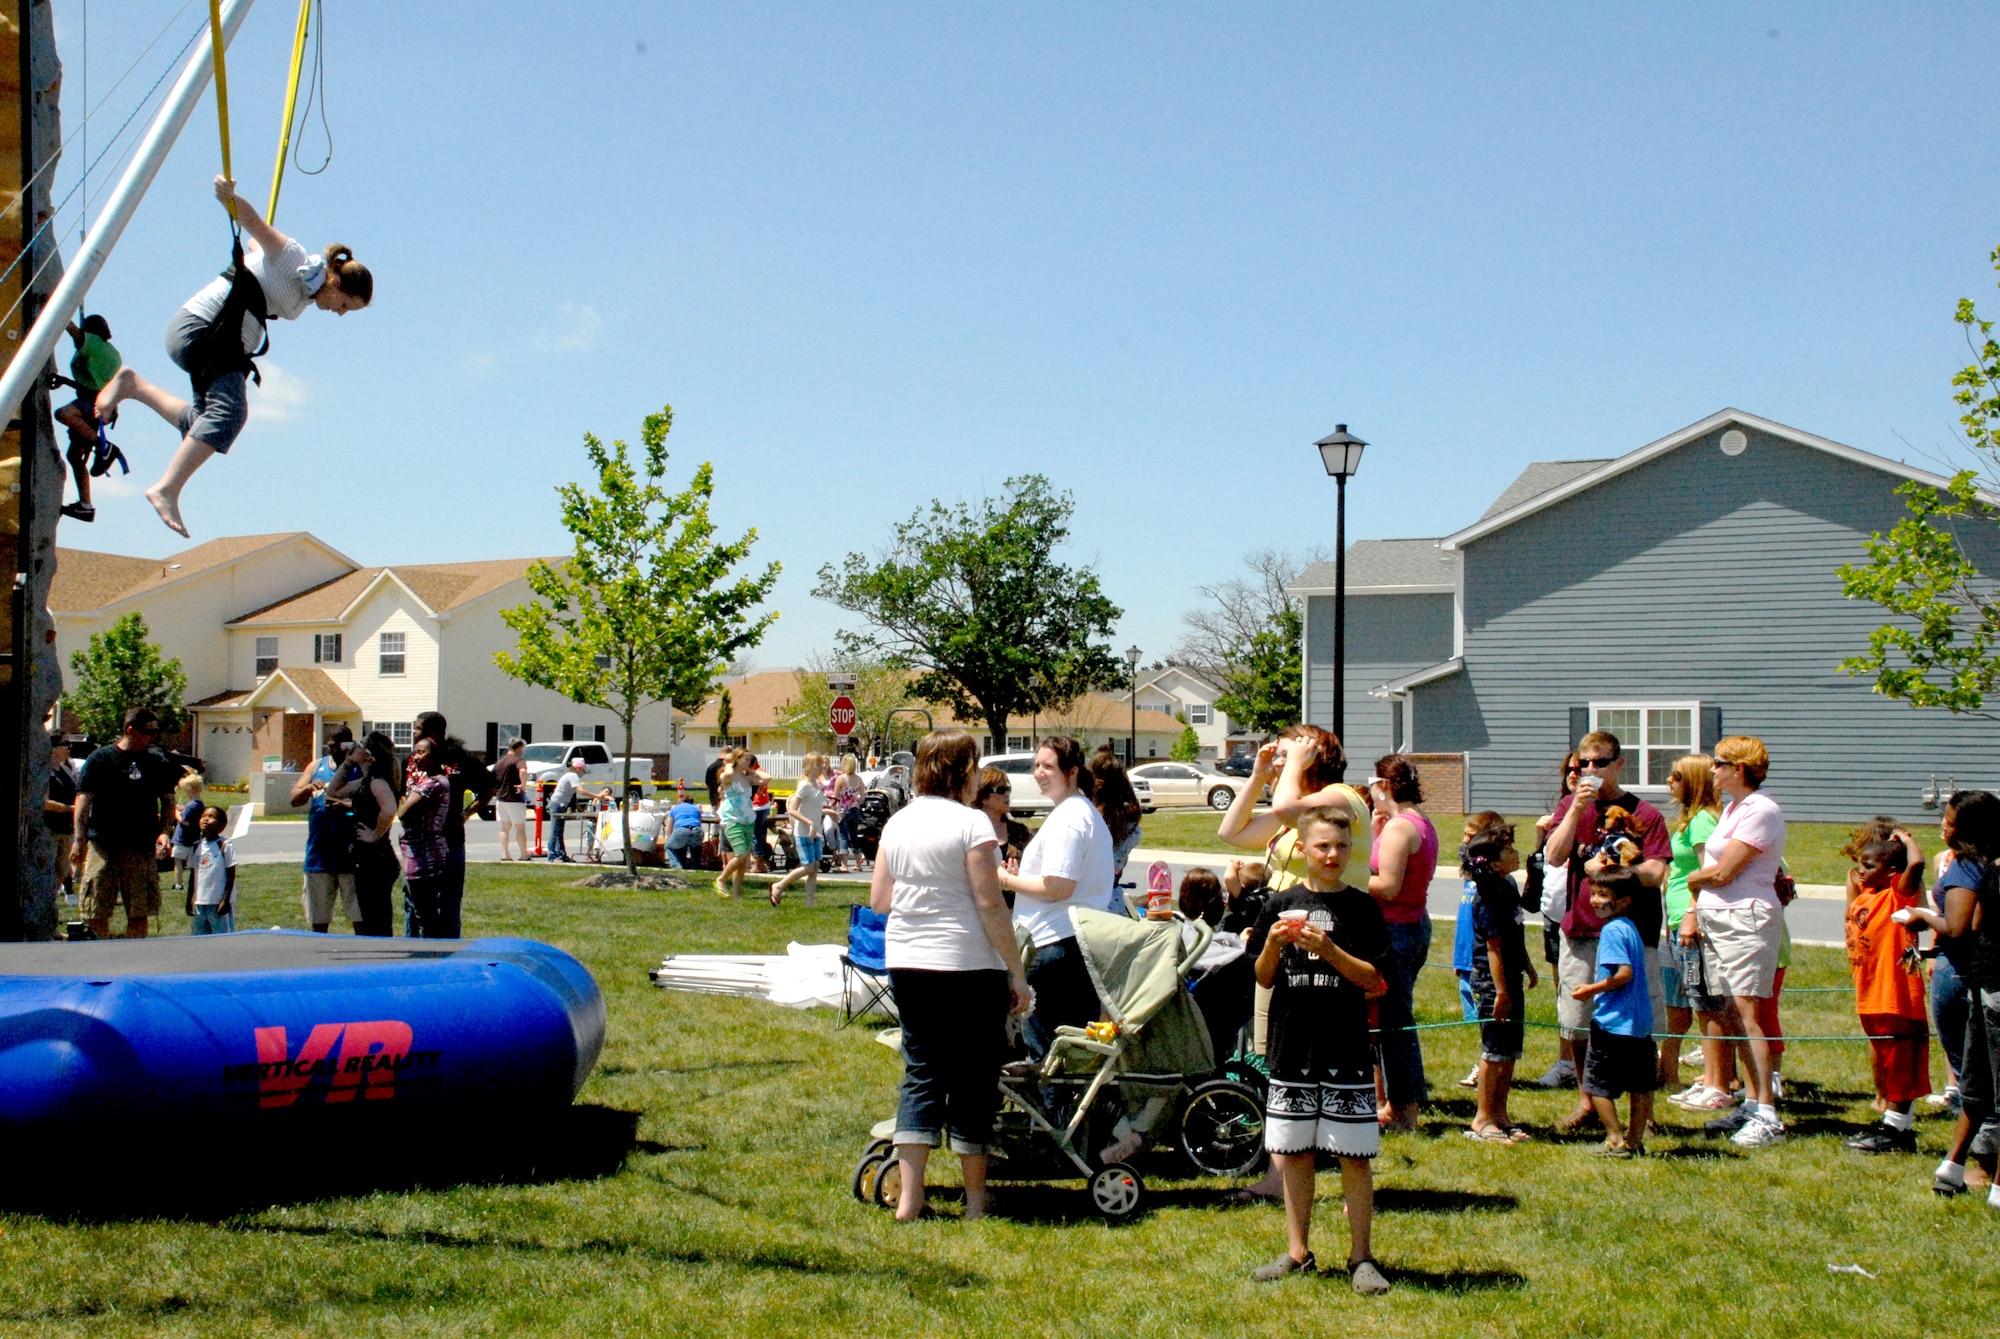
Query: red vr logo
{"points": [[370, 1054]]}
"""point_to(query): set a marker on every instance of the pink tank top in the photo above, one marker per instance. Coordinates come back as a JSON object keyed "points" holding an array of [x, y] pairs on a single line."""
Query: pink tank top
{"points": [[1412, 901]]}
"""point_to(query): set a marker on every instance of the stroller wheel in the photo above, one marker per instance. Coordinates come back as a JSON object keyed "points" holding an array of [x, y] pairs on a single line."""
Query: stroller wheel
{"points": [[1117, 1191], [885, 1183], [864, 1170], [1222, 1128]]}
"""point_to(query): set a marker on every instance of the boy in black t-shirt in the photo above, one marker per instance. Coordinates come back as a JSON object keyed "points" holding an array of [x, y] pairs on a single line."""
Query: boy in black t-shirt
{"points": [[1500, 968], [1316, 947]]}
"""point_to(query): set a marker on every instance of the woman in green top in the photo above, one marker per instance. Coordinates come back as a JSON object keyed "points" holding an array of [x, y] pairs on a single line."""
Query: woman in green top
{"points": [[1692, 785]]}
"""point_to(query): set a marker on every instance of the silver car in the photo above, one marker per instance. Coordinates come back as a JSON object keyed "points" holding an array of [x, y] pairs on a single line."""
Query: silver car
{"points": [[1026, 797], [1184, 785]]}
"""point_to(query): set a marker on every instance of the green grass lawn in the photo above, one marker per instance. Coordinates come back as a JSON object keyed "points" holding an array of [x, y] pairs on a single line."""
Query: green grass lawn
{"points": [[728, 1212], [1812, 850]]}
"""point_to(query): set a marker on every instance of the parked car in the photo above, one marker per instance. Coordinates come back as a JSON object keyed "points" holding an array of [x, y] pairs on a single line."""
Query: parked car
{"points": [[1182, 785], [544, 764], [1027, 797], [1237, 764]]}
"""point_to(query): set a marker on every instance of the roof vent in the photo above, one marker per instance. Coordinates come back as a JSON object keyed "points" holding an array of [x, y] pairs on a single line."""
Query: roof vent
{"points": [[1735, 442]]}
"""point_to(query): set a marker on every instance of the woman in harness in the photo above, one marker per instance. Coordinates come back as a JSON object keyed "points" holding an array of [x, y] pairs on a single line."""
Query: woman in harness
{"points": [[221, 329]]}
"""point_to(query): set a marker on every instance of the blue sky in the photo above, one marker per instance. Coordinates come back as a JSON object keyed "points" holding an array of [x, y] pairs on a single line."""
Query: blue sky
{"points": [[875, 255]]}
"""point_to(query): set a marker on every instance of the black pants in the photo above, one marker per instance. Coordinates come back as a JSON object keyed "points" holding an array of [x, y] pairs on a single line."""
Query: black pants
{"points": [[375, 871], [1064, 996], [954, 1040]]}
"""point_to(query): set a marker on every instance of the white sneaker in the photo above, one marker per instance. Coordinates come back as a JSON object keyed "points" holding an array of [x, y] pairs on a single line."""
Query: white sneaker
{"points": [[1470, 1080], [1689, 1096], [1758, 1133], [1562, 1074], [1692, 1056], [1732, 1124]]}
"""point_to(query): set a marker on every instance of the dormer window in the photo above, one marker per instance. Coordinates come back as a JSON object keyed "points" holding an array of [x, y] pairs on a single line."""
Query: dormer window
{"points": [[267, 657]]}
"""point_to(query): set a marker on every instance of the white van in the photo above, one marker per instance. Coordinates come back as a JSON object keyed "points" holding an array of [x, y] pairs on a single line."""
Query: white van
{"points": [[1027, 797]]}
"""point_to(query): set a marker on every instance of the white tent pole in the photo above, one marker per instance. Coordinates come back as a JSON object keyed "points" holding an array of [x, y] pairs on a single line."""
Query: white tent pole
{"points": [[118, 209]]}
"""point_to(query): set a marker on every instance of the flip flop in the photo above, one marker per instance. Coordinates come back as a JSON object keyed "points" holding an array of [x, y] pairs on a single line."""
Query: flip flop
{"points": [[1517, 1133], [1492, 1134]]}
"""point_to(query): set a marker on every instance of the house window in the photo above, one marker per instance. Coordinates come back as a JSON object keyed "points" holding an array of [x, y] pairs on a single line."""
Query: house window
{"points": [[1651, 734], [1198, 713], [1020, 743], [392, 654], [267, 656], [326, 648], [399, 734], [602, 660], [729, 741]]}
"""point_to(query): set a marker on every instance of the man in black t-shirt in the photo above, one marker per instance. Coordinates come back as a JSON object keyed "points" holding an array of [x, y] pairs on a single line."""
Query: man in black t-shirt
{"points": [[124, 811]]}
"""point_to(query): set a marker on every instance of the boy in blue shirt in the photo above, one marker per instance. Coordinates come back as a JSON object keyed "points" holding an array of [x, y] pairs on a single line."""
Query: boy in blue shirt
{"points": [[1622, 1057], [211, 897]]}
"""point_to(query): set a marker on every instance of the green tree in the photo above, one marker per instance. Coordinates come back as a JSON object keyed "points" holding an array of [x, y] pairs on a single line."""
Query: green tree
{"points": [[974, 599], [1941, 650], [1246, 638], [646, 608], [119, 669], [724, 710], [1188, 747], [1263, 696]]}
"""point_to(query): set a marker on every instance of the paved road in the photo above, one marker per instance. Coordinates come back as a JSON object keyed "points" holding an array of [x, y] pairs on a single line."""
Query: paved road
{"points": [[1813, 919]]}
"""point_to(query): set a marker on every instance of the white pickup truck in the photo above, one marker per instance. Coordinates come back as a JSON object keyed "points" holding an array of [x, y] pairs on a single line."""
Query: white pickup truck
{"points": [[545, 764]]}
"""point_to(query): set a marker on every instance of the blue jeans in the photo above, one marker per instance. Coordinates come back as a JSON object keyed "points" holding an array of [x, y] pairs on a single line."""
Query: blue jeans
{"points": [[680, 841], [213, 921], [1468, 999], [1402, 1057], [558, 820], [1063, 995], [1951, 1002], [954, 1039]]}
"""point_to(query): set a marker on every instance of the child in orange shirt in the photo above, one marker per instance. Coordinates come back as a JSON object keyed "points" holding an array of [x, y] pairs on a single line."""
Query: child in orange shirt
{"points": [[1889, 990]]}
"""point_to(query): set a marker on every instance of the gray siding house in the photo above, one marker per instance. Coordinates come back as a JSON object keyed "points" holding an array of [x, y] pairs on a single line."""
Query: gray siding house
{"points": [[1683, 591]]}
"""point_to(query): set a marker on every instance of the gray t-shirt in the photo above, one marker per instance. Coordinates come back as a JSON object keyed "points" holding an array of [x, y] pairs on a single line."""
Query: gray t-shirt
{"points": [[288, 279]]}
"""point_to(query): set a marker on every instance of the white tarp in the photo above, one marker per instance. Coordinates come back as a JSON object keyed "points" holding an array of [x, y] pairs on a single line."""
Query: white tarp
{"points": [[805, 976]]}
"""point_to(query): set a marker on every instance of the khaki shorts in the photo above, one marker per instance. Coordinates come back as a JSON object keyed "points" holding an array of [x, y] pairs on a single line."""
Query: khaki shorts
{"points": [[112, 877], [319, 894], [1739, 948], [61, 841], [1575, 966]]}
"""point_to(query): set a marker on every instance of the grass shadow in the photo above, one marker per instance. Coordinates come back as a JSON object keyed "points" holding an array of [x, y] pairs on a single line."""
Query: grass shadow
{"points": [[1455, 1280], [1416, 1199], [579, 1143], [1719, 1151]]}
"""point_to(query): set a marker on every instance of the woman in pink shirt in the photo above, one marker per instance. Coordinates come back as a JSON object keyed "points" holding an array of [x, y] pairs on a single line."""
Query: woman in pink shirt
{"points": [[1400, 869]]}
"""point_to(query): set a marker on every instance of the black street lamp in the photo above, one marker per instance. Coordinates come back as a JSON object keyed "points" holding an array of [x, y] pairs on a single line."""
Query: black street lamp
{"points": [[1132, 654], [1341, 454]]}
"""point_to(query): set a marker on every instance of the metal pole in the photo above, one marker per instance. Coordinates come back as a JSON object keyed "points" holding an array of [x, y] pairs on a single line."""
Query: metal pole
{"points": [[118, 209], [1340, 612], [1132, 740]]}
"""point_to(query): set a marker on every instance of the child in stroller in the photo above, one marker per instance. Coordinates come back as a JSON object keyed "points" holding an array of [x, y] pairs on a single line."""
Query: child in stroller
{"points": [[1056, 1119]]}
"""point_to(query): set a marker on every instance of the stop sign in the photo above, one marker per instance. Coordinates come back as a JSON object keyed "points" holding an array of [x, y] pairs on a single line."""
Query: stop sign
{"points": [[843, 716]]}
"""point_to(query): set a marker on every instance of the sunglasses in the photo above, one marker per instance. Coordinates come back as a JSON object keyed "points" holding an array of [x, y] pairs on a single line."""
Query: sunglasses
{"points": [[1596, 764]]}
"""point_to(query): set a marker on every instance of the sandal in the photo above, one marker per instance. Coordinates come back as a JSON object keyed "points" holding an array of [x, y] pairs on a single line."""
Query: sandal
{"points": [[1517, 1133], [1491, 1134], [776, 896], [1575, 1121]]}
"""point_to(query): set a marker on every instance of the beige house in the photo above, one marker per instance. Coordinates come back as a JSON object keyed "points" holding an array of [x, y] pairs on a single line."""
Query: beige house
{"points": [[282, 637], [1179, 693]]}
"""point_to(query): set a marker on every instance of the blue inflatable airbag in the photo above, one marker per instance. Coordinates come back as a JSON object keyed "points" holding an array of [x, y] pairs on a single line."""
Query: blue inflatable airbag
{"points": [[251, 1026]]}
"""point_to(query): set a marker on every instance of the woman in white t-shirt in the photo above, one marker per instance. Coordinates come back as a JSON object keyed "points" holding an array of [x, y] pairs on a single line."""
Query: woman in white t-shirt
{"points": [[1068, 863], [290, 281], [953, 969], [1737, 918]]}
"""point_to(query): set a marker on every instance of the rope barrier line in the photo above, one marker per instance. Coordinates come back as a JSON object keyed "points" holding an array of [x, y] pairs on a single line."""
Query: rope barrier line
{"points": [[1656, 1036]]}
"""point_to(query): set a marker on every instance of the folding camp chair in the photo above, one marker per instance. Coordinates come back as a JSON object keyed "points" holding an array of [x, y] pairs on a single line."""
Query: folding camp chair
{"points": [[865, 962]]}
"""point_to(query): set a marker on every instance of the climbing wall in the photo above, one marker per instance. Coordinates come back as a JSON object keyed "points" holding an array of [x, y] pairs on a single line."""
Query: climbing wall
{"points": [[30, 470]]}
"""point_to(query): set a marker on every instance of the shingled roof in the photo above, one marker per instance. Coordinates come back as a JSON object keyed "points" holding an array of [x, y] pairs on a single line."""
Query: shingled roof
{"points": [[1378, 563], [441, 586], [1538, 479], [86, 581]]}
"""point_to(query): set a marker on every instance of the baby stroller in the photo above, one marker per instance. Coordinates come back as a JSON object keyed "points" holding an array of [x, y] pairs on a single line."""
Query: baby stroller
{"points": [[870, 819], [1054, 1119]]}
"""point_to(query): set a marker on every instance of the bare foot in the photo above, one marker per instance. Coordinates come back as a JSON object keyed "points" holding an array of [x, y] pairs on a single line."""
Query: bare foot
{"points": [[978, 1208], [114, 390], [169, 509]]}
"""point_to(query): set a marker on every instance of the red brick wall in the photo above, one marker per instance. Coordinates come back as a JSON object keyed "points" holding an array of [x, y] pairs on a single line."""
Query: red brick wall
{"points": [[1443, 778]]}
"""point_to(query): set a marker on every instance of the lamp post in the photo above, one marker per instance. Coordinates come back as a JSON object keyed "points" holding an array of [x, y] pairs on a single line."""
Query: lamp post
{"points": [[1132, 654], [1340, 452]]}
